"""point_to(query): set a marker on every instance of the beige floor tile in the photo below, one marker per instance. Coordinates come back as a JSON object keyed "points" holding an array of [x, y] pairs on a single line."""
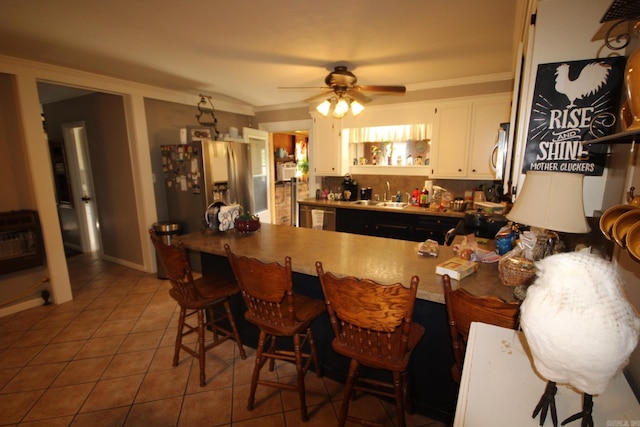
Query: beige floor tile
{"points": [[18, 357], [163, 384], [82, 371], [141, 341], [34, 377], [272, 420], [369, 408], [56, 319], [163, 359], [319, 416], [158, 413], [126, 312], [101, 346], [152, 322], [112, 393], [114, 417], [243, 371], [315, 392], [51, 405], [105, 302], [6, 375], [7, 338], [140, 299], [49, 422], [218, 374], [125, 364], [76, 331], [36, 337], [212, 408], [267, 402], [110, 328], [57, 352], [16, 405]]}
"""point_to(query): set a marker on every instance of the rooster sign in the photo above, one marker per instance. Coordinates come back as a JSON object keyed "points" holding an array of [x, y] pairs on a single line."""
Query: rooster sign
{"points": [[573, 101]]}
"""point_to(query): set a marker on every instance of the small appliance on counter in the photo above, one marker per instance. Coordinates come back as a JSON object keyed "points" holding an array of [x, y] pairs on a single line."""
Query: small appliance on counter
{"points": [[483, 224], [286, 171], [365, 193], [349, 188]]}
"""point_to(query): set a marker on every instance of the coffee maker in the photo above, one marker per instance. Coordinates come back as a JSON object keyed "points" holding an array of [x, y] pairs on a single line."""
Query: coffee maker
{"points": [[349, 188]]}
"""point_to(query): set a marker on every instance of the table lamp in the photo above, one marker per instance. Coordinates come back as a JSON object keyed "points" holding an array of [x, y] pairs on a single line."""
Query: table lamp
{"points": [[551, 201]]}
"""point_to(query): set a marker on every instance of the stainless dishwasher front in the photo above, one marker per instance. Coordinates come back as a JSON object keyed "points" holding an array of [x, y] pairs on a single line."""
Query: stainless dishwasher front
{"points": [[328, 220]]}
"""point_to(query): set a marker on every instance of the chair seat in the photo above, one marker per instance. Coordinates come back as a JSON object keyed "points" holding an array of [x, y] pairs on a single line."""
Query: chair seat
{"points": [[306, 309], [212, 290], [393, 362]]}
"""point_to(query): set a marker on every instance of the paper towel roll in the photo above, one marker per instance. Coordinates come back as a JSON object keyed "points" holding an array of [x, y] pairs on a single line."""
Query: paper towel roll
{"points": [[183, 135], [428, 184]]}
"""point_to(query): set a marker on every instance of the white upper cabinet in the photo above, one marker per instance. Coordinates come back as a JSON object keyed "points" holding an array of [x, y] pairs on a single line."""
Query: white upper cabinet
{"points": [[451, 140], [485, 124], [465, 137], [329, 156]]}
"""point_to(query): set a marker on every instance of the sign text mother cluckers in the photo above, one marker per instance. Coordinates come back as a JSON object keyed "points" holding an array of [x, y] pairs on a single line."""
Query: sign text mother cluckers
{"points": [[573, 102]]}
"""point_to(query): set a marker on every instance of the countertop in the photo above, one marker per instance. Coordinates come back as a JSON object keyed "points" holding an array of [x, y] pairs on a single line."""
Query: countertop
{"points": [[385, 261], [415, 210]]}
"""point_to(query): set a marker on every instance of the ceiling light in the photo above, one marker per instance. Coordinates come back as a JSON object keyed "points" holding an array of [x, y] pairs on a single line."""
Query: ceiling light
{"points": [[356, 107], [340, 106], [324, 107]]}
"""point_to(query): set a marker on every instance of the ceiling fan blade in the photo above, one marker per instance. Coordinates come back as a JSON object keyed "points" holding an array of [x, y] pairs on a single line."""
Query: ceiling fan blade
{"points": [[318, 97], [394, 90], [305, 87], [358, 96]]}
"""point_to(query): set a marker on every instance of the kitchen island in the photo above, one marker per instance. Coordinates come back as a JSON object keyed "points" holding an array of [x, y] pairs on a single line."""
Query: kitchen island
{"points": [[386, 261]]}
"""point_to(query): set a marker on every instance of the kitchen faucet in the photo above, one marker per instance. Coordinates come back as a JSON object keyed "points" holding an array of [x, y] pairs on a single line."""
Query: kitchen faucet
{"points": [[387, 191]]}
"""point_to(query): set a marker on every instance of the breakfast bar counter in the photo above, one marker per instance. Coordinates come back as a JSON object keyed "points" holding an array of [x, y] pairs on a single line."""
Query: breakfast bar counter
{"points": [[385, 261]]}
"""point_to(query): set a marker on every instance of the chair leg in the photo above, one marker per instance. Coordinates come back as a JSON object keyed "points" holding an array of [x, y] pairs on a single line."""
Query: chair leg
{"points": [[236, 335], [301, 371], [348, 390], [256, 369], [399, 392], [200, 350], [408, 406], [176, 354], [314, 354]]}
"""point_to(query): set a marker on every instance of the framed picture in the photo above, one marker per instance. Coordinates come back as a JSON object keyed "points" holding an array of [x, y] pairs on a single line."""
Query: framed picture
{"points": [[198, 133]]}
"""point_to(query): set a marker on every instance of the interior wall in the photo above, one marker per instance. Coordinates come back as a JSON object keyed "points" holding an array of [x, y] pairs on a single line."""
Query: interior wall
{"points": [[164, 121], [16, 190], [111, 166]]}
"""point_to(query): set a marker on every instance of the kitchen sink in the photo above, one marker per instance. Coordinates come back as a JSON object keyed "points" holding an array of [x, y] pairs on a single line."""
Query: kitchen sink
{"points": [[396, 205], [365, 203]]}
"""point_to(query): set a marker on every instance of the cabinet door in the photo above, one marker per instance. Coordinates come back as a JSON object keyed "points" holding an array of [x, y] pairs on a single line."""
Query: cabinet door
{"points": [[451, 140], [485, 123], [327, 147]]}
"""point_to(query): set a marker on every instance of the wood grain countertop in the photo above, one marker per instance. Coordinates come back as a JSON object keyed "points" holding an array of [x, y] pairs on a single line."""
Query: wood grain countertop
{"points": [[385, 261]]}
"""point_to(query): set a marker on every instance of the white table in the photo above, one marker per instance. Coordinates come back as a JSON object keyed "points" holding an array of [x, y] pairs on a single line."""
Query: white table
{"points": [[500, 387]]}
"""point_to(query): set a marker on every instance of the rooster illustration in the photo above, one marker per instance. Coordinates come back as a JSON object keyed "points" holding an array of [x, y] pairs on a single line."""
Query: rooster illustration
{"points": [[590, 80]]}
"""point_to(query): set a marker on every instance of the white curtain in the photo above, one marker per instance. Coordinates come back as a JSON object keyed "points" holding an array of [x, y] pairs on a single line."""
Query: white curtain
{"points": [[387, 133]]}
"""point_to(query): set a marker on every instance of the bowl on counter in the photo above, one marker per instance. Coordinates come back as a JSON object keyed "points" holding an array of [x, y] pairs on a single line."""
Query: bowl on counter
{"points": [[458, 205], [247, 223]]}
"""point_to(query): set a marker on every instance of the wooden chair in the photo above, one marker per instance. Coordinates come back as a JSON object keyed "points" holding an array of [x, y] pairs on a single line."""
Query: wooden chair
{"points": [[372, 325], [267, 290], [195, 297], [464, 308]]}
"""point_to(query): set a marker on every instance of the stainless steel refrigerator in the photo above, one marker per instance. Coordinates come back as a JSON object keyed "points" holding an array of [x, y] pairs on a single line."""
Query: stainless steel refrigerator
{"points": [[203, 171]]}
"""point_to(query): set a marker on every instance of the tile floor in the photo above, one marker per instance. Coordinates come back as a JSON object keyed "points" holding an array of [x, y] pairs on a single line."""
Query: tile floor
{"points": [[105, 359]]}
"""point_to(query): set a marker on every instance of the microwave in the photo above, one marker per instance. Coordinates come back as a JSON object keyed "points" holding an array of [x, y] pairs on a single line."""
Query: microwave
{"points": [[286, 171]]}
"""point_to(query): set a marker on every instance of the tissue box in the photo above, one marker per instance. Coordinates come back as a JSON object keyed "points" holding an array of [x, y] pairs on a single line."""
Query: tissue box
{"points": [[457, 268]]}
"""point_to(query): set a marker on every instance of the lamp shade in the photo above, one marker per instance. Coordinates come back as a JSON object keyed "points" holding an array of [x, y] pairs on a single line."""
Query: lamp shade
{"points": [[553, 201]]}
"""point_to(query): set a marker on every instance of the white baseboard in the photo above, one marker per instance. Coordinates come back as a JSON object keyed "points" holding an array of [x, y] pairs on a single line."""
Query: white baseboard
{"points": [[21, 306]]}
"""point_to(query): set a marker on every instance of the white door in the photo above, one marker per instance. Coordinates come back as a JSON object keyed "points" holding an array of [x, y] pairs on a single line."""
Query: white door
{"points": [[260, 161], [75, 141]]}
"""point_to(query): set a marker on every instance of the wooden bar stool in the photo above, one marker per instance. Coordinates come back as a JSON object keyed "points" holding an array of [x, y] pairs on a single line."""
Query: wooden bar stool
{"points": [[208, 294], [272, 306], [464, 308], [372, 325]]}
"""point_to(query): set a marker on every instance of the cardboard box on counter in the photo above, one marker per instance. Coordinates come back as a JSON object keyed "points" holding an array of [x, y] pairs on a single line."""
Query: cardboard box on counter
{"points": [[457, 268]]}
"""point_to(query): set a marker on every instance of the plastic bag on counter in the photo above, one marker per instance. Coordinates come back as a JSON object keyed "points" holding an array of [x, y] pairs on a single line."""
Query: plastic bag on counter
{"points": [[468, 249], [429, 248]]}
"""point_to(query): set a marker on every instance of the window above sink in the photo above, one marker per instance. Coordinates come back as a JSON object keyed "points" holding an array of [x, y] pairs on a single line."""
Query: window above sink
{"points": [[391, 150]]}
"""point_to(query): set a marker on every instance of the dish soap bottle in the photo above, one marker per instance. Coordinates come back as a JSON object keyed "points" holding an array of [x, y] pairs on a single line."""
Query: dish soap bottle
{"points": [[424, 198], [415, 197]]}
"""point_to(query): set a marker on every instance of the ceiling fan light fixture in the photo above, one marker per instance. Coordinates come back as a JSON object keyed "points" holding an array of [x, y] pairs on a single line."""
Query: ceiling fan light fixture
{"points": [[341, 108], [356, 108], [324, 107]]}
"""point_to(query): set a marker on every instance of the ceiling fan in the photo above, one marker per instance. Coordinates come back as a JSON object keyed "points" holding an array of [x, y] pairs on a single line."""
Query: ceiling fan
{"points": [[342, 91]]}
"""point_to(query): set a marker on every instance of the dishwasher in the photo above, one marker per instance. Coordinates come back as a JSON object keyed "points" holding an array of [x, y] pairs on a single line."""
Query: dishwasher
{"points": [[329, 217]]}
